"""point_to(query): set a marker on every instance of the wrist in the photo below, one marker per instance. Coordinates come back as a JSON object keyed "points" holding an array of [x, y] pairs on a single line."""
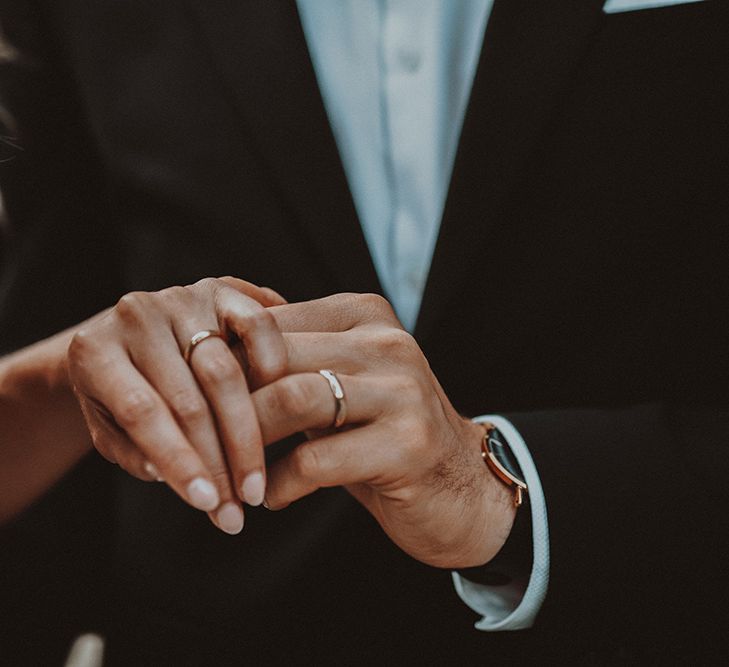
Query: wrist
{"points": [[42, 368], [492, 515], [498, 515], [37, 370]]}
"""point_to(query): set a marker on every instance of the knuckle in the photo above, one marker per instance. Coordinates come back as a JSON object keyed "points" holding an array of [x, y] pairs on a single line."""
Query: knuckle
{"points": [[81, 346], [189, 406], [175, 293], [306, 461], [394, 343], [276, 366], [211, 284], [360, 308], [218, 368], [257, 320], [88, 357], [137, 407], [131, 306], [375, 305], [176, 462], [293, 397], [343, 300]]}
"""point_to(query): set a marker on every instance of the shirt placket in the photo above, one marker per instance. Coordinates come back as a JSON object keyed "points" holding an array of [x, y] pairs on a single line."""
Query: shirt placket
{"points": [[409, 109]]}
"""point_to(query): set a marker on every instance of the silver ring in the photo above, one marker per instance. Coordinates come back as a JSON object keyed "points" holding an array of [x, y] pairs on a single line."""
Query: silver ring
{"points": [[341, 410], [198, 338]]}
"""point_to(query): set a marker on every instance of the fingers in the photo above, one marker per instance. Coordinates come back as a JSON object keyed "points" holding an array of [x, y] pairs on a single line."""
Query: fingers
{"points": [[312, 351], [305, 402], [160, 362], [113, 444], [255, 326], [142, 414], [339, 312], [345, 458], [117, 448], [367, 349], [131, 365], [264, 295], [386, 445], [224, 385]]}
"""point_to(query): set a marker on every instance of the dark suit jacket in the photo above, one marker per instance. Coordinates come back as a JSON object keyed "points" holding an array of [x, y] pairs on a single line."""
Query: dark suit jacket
{"points": [[579, 285]]}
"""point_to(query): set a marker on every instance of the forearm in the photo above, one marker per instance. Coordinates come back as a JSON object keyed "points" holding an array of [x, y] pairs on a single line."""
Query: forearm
{"points": [[42, 430]]}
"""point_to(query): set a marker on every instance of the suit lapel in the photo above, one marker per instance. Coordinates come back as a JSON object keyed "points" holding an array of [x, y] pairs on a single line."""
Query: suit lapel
{"points": [[259, 48], [530, 50]]}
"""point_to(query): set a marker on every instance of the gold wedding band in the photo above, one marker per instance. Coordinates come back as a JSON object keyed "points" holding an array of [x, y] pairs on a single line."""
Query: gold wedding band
{"points": [[340, 413], [198, 338]]}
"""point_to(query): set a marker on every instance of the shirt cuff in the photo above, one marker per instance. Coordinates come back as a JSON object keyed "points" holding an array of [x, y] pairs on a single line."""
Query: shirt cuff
{"points": [[512, 607]]}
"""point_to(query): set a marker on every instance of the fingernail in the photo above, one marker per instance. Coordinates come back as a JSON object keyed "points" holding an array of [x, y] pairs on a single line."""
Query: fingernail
{"points": [[152, 471], [230, 518], [267, 505], [203, 494], [253, 488]]}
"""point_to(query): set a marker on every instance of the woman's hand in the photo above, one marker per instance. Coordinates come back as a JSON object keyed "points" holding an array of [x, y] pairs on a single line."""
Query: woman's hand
{"points": [[403, 452], [194, 426]]}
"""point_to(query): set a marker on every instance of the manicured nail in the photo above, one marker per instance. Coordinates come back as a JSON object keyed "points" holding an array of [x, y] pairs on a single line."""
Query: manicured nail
{"points": [[230, 518], [203, 494], [253, 488], [152, 471], [265, 504]]}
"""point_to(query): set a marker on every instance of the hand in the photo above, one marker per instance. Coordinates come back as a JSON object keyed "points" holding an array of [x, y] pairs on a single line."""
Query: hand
{"points": [[158, 417], [404, 452]]}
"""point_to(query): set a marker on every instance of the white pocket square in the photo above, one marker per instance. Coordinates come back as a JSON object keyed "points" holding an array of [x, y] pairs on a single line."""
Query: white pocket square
{"points": [[615, 6]]}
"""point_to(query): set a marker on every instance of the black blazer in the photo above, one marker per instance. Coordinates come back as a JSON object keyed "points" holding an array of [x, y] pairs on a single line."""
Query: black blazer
{"points": [[579, 286]]}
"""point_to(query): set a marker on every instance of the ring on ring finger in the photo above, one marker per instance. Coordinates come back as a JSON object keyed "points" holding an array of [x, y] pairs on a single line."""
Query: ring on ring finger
{"points": [[340, 413], [198, 338]]}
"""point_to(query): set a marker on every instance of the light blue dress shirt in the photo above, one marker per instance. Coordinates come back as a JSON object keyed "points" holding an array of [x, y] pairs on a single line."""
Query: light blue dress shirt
{"points": [[395, 77]]}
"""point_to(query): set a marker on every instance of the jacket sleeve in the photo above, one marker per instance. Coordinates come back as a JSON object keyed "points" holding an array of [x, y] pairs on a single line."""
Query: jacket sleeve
{"points": [[637, 505]]}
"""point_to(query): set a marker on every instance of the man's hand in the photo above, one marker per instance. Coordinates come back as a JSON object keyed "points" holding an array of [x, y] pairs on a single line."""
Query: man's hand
{"points": [[194, 425], [404, 452]]}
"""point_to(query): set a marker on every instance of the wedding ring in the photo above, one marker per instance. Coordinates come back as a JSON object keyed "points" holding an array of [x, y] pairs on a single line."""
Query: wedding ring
{"points": [[340, 413], [198, 338]]}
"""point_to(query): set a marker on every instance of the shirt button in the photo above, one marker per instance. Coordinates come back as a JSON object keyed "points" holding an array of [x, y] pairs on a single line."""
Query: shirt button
{"points": [[409, 60]]}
